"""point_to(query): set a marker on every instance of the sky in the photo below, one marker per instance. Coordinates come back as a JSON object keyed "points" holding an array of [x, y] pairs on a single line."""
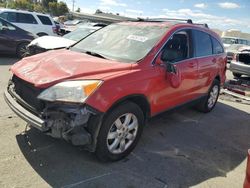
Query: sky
{"points": [[223, 15]]}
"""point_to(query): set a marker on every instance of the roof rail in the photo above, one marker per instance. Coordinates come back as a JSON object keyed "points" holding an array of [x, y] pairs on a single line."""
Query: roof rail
{"points": [[205, 25], [170, 19], [164, 19]]}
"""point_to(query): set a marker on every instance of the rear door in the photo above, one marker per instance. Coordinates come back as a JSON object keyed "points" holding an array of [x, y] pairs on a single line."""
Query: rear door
{"points": [[27, 22], [47, 24], [7, 37], [206, 60]]}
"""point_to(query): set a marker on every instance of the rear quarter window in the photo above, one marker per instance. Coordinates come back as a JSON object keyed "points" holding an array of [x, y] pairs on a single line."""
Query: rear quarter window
{"points": [[217, 47], [203, 44], [45, 20]]}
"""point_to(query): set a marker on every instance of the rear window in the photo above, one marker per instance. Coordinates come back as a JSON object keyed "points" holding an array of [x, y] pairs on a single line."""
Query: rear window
{"points": [[203, 44], [217, 48], [45, 20]]}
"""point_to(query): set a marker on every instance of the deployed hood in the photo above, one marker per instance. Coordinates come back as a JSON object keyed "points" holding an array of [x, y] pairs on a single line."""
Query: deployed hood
{"points": [[49, 68], [51, 42]]}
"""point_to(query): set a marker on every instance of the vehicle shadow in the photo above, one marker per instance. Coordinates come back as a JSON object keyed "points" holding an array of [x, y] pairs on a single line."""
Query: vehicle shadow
{"points": [[178, 149]]}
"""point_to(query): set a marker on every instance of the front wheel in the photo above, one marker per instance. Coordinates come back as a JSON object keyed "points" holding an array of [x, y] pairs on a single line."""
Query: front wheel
{"points": [[120, 132], [209, 102], [21, 50]]}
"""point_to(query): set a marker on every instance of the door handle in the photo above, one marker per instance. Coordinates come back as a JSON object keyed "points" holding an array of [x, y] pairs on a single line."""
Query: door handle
{"points": [[191, 65]]}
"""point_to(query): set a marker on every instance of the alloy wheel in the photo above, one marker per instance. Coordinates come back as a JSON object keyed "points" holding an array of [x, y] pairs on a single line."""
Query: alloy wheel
{"points": [[122, 133]]}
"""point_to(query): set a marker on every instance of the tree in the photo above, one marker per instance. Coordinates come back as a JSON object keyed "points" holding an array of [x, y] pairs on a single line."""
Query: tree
{"points": [[53, 9], [44, 6], [62, 8], [98, 11], [38, 7], [45, 3], [21, 4], [78, 10]]}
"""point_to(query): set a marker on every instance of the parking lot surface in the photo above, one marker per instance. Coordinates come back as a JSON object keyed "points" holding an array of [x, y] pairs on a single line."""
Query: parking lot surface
{"points": [[183, 148]]}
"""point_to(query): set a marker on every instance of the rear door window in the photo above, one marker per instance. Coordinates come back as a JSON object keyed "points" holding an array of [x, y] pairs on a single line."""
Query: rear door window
{"points": [[26, 18], [203, 44], [217, 47], [45, 20]]}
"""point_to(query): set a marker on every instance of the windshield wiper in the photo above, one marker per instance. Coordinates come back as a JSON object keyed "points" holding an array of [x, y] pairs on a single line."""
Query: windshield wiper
{"points": [[95, 54]]}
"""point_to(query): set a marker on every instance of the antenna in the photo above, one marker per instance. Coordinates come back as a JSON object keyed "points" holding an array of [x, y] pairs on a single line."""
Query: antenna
{"points": [[73, 5]]}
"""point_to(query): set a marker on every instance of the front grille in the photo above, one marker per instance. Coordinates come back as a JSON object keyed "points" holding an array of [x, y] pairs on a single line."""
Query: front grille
{"points": [[245, 58], [27, 92]]}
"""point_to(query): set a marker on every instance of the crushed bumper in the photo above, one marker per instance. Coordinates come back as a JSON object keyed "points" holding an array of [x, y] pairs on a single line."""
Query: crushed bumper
{"points": [[78, 124], [23, 113]]}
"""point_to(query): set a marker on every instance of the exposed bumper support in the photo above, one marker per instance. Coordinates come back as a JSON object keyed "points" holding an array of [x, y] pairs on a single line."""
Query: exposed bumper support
{"points": [[23, 113], [83, 129]]}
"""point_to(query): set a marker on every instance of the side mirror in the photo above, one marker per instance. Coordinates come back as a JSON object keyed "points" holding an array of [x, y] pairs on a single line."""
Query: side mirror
{"points": [[4, 28], [171, 68]]}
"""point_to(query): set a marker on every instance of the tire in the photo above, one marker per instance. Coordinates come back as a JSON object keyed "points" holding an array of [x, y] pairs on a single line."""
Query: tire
{"points": [[41, 34], [208, 103], [122, 140], [21, 50], [237, 75]]}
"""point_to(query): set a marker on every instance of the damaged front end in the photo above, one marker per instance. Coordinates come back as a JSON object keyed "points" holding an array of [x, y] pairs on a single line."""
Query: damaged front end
{"points": [[75, 123], [67, 122]]}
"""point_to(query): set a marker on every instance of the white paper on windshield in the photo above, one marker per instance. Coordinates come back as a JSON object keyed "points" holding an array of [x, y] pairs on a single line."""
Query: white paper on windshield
{"points": [[137, 38]]}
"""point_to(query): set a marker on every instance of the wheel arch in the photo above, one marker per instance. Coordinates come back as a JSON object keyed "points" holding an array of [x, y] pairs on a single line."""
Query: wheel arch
{"points": [[40, 34], [217, 78], [96, 121], [20, 43], [139, 99]]}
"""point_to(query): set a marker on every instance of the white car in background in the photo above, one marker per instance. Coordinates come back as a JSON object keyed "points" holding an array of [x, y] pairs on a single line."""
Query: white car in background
{"points": [[36, 23], [45, 43]]}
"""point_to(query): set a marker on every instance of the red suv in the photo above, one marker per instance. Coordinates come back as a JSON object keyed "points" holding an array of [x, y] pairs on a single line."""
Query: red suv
{"points": [[100, 92]]}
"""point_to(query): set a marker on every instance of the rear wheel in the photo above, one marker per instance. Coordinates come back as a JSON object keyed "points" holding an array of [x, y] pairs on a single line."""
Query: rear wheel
{"points": [[237, 75], [209, 102], [21, 50], [120, 132]]}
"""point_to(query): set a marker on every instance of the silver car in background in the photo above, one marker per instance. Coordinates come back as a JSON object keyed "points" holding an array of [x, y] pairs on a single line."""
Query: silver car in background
{"points": [[240, 65]]}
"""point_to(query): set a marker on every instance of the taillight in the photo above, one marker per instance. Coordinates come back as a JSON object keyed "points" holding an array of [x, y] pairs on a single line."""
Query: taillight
{"points": [[248, 167], [236, 57], [54, 29]]}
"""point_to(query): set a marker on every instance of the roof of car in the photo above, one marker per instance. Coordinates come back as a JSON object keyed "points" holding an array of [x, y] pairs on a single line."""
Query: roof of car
{"points": [[22, 11]]}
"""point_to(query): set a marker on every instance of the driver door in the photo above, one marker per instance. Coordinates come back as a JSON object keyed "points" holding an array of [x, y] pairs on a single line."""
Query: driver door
{"points": [[7, 37], [177, 72]]}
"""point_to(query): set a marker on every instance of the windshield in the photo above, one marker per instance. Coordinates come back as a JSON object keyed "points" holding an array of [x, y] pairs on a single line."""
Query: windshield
{"points": [[79, 33], [127, 43]]}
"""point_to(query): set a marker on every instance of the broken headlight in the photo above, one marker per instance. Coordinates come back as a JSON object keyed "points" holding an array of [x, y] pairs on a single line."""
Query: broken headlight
{"points": [[70, 91]]}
